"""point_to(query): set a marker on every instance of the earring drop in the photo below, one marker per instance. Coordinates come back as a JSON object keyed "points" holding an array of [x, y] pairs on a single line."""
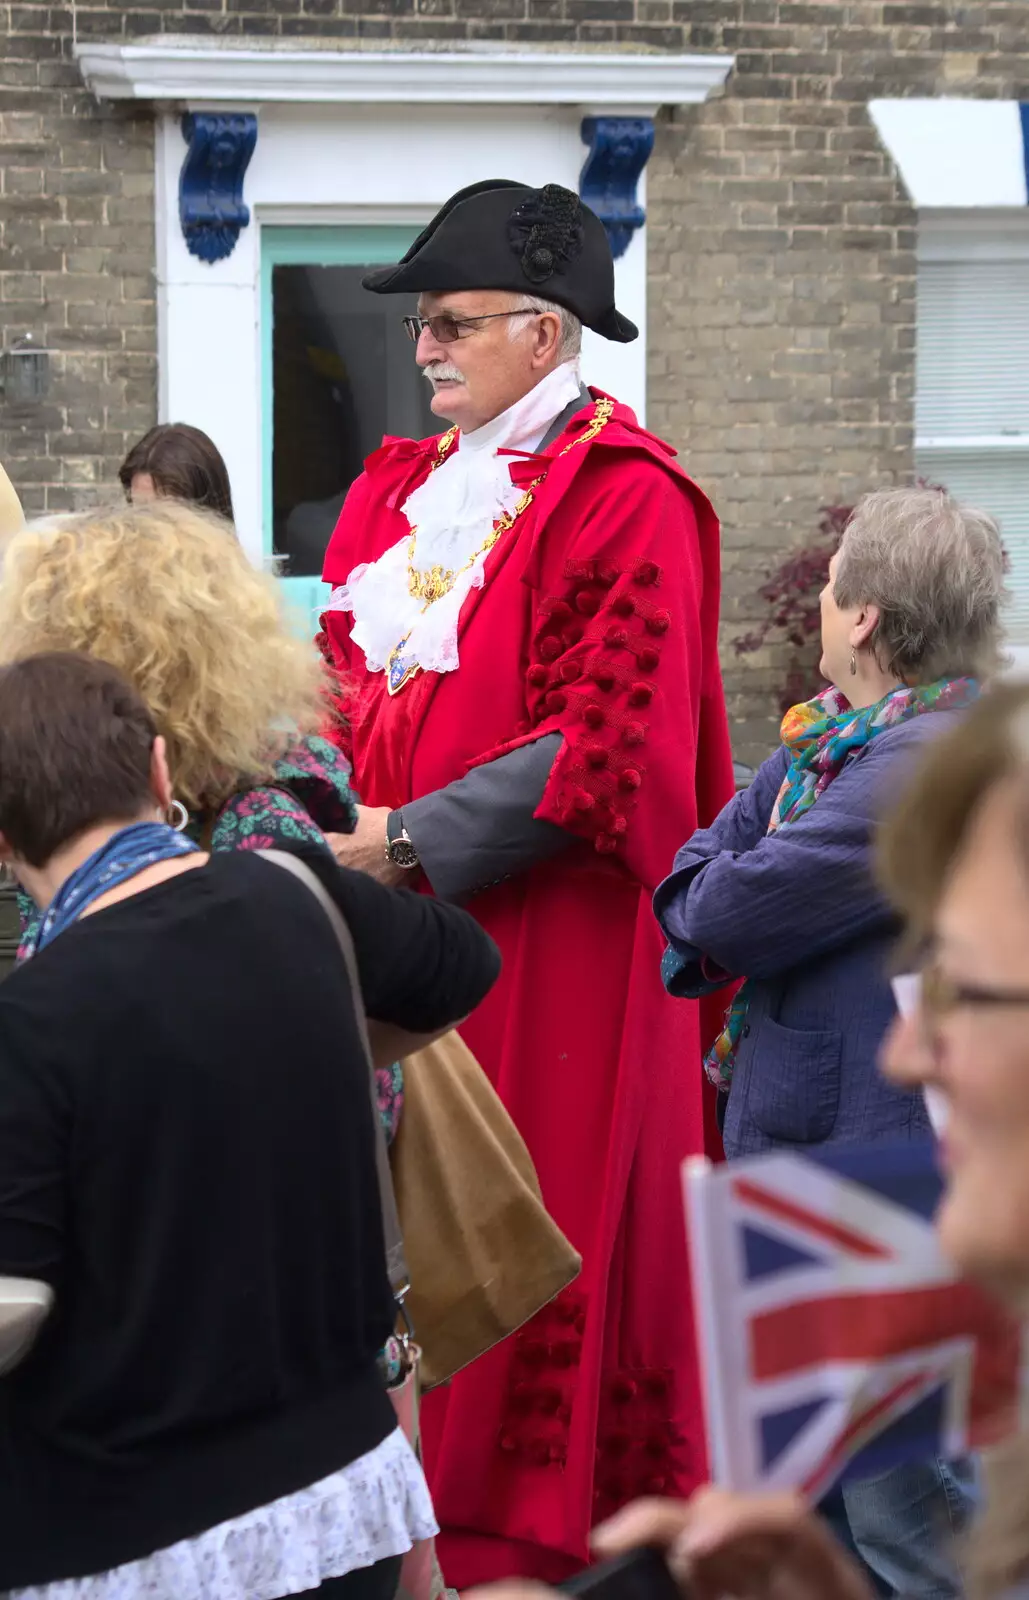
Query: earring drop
{"points": [[853, 665], [178, 816]]}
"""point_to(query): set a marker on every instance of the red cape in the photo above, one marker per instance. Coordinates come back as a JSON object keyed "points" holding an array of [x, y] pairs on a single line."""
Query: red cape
{"points": [[598, 619]]}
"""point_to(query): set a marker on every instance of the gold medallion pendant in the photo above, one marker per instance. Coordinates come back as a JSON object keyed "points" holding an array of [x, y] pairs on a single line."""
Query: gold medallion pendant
{"points": [[400, 669]]}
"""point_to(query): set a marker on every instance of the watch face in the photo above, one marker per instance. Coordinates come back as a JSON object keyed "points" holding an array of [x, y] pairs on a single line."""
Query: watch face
{"points": [[402, 853]]}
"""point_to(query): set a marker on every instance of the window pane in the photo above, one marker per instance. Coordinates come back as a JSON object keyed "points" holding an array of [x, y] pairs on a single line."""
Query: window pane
{"points": [[343, 374], [996, 481], [973, 348]]}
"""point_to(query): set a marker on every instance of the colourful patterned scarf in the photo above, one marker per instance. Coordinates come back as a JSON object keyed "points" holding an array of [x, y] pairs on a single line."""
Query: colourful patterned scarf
{"points": [[822, 735]]}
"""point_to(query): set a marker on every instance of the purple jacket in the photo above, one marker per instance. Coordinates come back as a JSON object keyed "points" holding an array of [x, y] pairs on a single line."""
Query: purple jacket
{"points": [[798, 913]]}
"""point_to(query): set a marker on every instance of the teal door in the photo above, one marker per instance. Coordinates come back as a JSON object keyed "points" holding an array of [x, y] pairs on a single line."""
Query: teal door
{"points": [[337, 373]]}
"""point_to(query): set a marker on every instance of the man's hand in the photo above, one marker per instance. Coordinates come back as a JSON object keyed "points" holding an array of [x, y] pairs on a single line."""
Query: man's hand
{"points": [[752, 1547], [365, 848], [755, 1547]]}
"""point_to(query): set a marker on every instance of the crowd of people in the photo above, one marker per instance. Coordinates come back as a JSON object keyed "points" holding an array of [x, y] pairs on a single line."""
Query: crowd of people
{"points": [[261, 872]]}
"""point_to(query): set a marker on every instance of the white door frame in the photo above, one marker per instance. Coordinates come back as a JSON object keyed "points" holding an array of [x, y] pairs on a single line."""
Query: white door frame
{"points": [[362, 137]]}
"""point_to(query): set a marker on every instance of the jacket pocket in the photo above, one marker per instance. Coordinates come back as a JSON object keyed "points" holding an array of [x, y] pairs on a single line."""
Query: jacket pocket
{"points": [[793, 1091]]}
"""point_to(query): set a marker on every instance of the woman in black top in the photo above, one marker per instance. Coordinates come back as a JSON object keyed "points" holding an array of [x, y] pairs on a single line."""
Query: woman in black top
{"points": [[188, 1195]]}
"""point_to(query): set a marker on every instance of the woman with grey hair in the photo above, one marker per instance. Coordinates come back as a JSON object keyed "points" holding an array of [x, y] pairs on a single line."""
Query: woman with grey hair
{"points": [[779, 891]]}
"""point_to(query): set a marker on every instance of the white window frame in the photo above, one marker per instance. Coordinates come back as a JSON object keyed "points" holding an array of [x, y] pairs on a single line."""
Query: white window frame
{"points": [[966, 236]]}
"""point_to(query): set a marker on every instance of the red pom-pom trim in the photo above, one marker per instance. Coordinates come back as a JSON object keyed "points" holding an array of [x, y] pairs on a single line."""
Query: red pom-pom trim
{"points": [[623, 606], [557, 700], [647, 572], [557, 610], [629, 780], [648, 658], [550, 649], [660, 622], [572, 634], [634, 733], [641, 694], [603, 677], [593, 715], [596, 756], [605, 845], [618, 826], [569, 671], [538, 676], [587, 604], [617, 638], [607, 575], [583, 802]]}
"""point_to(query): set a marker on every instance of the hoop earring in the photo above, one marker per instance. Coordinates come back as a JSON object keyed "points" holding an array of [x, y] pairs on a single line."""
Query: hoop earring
{"points": [[178, 816], [853, 667]]}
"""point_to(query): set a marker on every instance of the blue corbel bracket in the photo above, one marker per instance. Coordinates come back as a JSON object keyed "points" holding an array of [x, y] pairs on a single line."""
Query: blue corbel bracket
{"points": [[211, 207], [619, 150]]}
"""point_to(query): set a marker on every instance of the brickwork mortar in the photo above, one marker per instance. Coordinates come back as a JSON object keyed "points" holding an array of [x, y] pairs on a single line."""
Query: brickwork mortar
{"points": [[782, 246]]}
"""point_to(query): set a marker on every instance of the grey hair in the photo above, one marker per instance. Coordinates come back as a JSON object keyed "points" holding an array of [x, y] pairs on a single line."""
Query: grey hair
{"points": [[935, 570], [569, 340]]}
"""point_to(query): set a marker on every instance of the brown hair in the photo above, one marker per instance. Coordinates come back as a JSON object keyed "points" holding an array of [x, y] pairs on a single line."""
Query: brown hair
{"points": [[184, 465], [75, 748], [916, 849]]}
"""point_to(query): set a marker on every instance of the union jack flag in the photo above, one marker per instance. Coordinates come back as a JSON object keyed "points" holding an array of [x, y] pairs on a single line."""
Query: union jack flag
{"points": [[836, 1340]]}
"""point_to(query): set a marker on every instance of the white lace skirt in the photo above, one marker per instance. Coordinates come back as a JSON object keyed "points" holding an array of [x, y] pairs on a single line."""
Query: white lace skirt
{"points": [[377, 1507]]}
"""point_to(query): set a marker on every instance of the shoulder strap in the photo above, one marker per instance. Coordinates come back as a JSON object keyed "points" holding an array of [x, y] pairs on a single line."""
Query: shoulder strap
{"points": [[396, 1263]]}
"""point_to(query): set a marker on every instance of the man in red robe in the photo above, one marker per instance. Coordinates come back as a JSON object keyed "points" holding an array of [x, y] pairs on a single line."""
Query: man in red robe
{"points": [[526, 611]]}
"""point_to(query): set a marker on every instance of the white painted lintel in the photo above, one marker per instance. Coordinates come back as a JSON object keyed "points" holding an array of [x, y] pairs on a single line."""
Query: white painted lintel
{"points": [[201, 72]]}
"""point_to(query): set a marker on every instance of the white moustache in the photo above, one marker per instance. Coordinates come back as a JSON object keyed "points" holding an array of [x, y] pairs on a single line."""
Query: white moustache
{"points": [[443, 372]]}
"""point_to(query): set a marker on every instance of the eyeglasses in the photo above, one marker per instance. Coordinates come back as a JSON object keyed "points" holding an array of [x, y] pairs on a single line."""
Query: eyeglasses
{"points": [[445, 327], [942, 996]]}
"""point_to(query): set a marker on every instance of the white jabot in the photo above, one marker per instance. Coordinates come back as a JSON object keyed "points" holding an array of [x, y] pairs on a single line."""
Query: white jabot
{"points": [[452, 514]]}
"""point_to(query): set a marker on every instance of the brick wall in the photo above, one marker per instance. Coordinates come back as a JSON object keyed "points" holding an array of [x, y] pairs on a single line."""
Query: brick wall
{"points": [[781, 245]]}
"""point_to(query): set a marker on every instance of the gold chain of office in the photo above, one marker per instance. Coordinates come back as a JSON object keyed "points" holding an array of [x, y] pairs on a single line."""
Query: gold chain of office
{"points": [[433, 583]]}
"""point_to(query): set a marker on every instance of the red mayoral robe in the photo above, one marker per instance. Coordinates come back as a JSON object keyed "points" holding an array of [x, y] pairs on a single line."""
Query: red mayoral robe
{"points": [[597, 620]]}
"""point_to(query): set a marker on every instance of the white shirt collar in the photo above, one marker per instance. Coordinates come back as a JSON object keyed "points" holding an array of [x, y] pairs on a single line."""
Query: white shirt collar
{"points": [[523, 425]]}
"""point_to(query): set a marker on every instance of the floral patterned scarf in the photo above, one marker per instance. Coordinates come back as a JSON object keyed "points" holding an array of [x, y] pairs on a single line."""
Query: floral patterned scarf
{"points": [[822, 735]]}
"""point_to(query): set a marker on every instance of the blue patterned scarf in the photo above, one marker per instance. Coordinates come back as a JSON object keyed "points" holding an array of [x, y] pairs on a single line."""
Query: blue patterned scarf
{"points": [[127, 852]]}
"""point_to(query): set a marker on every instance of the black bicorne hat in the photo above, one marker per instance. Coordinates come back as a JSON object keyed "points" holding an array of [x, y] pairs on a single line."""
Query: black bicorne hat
{"points": [[504, 235]]}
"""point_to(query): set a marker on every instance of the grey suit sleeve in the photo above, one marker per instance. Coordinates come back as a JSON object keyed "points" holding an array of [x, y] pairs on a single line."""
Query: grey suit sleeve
{"points": [[481, 828]]}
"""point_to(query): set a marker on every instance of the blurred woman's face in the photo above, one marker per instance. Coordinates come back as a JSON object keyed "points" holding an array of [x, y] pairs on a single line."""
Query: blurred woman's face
{"points": [[973, 1044]]}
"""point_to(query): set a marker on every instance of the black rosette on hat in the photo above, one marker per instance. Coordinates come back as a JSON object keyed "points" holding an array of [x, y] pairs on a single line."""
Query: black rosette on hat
{"points": [[504, 235], [546, 231]]}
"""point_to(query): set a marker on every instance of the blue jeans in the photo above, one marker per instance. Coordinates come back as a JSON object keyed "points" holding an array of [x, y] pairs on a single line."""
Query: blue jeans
{"points": [[902, 1525]]}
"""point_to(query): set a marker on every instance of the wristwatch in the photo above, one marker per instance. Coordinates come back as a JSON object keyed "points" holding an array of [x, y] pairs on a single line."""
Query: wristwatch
{"points": [[400, 850]]}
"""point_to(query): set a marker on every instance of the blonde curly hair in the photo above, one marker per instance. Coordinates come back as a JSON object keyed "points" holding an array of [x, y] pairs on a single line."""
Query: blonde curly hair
{"points": [[163, 592]]}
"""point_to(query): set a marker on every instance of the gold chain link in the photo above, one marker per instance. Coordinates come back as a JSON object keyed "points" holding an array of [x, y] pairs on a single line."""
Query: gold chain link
{"points": [[430, 585]]}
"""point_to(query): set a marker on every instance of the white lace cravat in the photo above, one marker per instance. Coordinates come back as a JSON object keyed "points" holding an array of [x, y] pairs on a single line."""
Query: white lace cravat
{"points": [[452, 514]]}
